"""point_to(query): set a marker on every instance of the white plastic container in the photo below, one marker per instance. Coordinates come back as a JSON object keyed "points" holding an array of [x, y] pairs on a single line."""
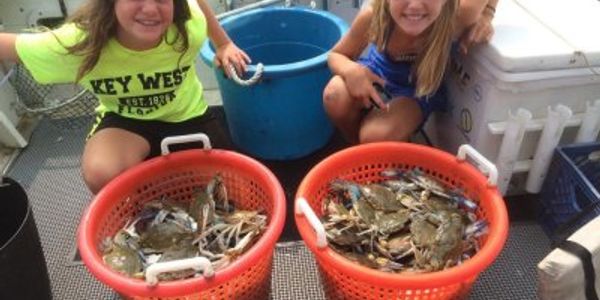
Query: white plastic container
{"points": [[9, 135], [543, 53], [561, 274]]}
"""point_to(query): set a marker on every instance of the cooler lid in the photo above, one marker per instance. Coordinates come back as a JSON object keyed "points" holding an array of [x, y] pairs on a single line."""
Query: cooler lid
{"points": [[539, 35]]}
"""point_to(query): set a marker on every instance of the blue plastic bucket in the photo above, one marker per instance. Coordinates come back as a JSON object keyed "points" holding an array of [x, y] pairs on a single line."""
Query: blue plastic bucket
{"points": [[281, 117]]}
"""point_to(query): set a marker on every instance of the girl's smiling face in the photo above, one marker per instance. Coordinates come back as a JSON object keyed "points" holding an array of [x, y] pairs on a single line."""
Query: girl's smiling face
{"points": [[413, 17], [142, 23]]}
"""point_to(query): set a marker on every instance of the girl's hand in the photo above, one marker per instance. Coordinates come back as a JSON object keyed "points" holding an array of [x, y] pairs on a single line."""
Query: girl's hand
{"points": [[359, 80], [229, 54], [480, 32]]}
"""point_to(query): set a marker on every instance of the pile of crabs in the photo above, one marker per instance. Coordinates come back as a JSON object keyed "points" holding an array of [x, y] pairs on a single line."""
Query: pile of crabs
{"points": [[209, 226], [408, 222]]}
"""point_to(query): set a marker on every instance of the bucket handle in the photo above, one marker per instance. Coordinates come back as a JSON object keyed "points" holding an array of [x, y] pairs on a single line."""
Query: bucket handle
{"points": [[302, 208], [187, 138], [250, 81], [198, 263], [485, 165]]}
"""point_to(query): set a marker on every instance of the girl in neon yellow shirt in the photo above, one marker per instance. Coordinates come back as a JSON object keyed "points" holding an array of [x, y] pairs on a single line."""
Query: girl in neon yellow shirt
{"points": [[137, 57]]}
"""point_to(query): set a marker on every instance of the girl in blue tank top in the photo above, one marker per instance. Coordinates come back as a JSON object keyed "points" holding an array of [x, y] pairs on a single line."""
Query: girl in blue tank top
{"points": [[388, 93]]}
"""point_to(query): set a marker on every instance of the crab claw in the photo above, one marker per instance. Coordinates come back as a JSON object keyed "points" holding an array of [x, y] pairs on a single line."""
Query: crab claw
{"points": [[476, 229]]}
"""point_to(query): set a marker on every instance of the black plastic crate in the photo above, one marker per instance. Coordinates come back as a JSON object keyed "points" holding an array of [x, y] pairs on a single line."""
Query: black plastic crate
{"points": [[570, 195]]}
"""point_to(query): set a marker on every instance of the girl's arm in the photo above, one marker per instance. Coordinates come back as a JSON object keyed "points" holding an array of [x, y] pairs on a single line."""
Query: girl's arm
{"points": [[8, 51], [343, 55], [341, 61], [475, 22], [226, 51]]}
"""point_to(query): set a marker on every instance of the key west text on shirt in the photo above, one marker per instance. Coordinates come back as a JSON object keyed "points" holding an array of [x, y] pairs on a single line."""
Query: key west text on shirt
{"points": [[141, 104]]}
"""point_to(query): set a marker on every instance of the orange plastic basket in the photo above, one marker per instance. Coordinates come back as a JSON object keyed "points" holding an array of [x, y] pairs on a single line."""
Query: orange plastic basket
{"points": [[249, 184], [344, 279]]}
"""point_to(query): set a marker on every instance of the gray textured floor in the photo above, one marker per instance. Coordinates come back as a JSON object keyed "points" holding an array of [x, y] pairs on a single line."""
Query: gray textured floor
{"points": [[49, 171]]}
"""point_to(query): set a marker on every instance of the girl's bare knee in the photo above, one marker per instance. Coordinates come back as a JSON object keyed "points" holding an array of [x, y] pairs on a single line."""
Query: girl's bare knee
{"points": [[97, 174], [335, 101], [371, 135], [330, 94], [106, 156], [334, 90], [96, 178]]}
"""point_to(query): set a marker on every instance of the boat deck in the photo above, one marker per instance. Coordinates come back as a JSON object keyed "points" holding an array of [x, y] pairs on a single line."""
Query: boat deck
{"points": [[49, 171]]}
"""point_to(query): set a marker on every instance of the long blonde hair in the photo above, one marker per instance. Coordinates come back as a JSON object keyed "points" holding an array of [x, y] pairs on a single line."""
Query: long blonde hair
{"points": [[430, 65], [98, 19]]}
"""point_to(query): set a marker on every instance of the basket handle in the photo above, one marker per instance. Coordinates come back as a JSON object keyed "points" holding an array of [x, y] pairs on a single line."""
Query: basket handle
{"points": [[187, 138], [485, 165], [302, 208], [197, 263]]}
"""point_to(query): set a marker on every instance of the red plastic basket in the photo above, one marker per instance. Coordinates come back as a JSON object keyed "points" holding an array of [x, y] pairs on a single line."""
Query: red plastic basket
{"points": [[344, 279], [250, 185]]}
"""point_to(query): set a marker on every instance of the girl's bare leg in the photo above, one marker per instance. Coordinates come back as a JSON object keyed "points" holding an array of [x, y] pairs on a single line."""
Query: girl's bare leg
{"points": [[397, 124], [342, 109], [108, 153]]}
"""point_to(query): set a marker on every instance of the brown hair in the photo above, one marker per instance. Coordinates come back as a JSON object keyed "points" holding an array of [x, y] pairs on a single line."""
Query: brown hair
{"points": [[97, 18], [431, 63]]}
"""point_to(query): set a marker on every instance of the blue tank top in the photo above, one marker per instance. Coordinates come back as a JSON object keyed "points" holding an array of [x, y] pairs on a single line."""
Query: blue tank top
{"points": [[397, 75]]}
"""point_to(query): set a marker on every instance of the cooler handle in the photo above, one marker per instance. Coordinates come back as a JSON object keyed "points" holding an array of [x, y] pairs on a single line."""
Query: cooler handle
{"points": [[302, 208], [197, 263], [187, 138], [485, 165]]}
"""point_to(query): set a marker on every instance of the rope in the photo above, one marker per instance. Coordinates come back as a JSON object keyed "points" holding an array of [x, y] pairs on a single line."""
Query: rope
{"points": [[248, 82]]}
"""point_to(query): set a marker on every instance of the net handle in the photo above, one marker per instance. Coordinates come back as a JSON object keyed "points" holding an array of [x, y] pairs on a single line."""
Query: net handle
{"points": [[304, 209], [187, 138], [52, 107], [198, 263], [56, 102], [485, 166]]}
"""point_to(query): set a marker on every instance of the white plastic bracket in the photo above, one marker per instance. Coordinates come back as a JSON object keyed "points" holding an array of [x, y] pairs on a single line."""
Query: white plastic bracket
{"points": [[197, 263], [302, 208], [179, 139], [484, 164]]}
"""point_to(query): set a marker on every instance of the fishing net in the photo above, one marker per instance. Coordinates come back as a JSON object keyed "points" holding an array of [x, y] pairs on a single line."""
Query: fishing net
{"points": [[66, 106]]}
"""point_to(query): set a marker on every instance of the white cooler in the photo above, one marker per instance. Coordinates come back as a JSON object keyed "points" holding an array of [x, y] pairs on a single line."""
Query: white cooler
{"points": [[534, 86]]}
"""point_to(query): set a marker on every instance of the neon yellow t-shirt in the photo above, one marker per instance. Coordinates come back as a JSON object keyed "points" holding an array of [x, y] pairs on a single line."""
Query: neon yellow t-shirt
{"points": [[152, 84]]}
